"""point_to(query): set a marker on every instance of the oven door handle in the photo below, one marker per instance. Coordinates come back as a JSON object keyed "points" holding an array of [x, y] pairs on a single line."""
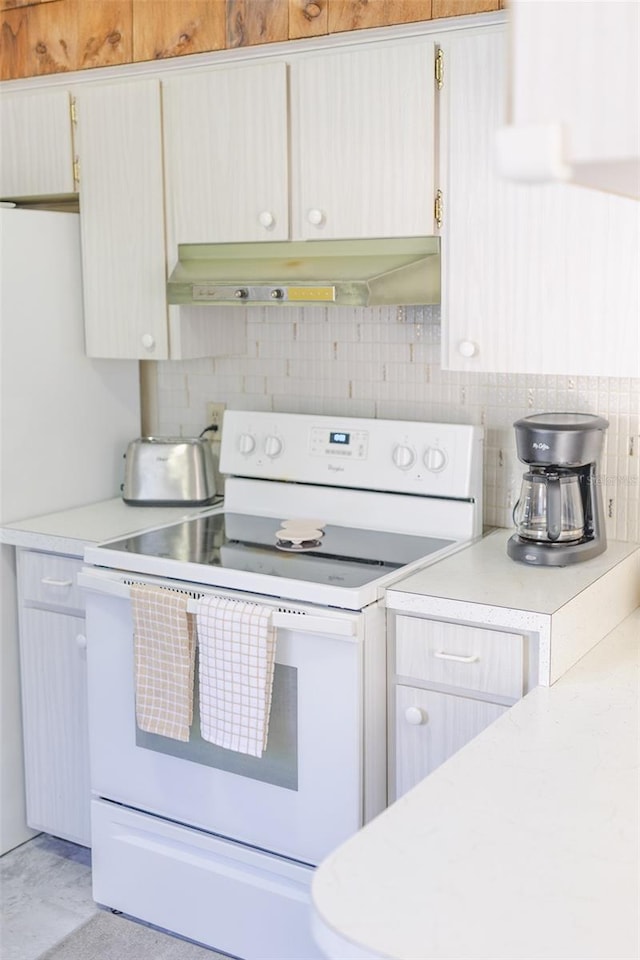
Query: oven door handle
{"points": [[344, 625]]}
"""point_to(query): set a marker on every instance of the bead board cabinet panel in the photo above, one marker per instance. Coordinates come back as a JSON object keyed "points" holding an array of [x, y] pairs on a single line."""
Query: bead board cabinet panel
{"points": [[353, 115], [36, 125], [122, 222], [486, 662], [448, 681], [219, 186], [429, 728], [54, 695], [534, 276]]}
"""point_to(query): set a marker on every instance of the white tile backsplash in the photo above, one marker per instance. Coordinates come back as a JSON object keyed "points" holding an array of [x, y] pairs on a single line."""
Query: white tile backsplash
{"points": [[384, 362]]}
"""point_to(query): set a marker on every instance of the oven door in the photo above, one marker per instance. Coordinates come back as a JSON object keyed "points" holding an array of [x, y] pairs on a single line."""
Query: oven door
{"points": [[302, 798]]}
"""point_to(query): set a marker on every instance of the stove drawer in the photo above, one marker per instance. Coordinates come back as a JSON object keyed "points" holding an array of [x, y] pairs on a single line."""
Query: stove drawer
{"points": [[227, 896], [50, 580], [454, 655]]}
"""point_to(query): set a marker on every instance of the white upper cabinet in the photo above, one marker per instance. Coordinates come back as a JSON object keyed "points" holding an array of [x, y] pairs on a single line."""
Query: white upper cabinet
{"points": [[363, 142], [535, 278], [123, 235], [36, 145], [360, 132], [574, 94], [226, 152], [122, 220]]}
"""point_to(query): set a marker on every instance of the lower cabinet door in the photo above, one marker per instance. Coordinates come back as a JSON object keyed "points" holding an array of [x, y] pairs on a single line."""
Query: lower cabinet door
{"points": [[431, 727], [54, 709]]}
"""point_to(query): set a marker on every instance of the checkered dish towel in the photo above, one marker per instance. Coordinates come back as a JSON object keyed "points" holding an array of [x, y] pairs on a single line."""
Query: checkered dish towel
{"points": [[237, 653], [164, 646]]}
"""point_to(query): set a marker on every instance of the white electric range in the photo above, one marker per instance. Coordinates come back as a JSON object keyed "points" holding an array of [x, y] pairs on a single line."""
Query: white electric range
{"points": [[320, 515]]}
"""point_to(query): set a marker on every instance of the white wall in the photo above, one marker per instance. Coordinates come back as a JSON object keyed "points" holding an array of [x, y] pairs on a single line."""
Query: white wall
{"points": [[371, 363]]}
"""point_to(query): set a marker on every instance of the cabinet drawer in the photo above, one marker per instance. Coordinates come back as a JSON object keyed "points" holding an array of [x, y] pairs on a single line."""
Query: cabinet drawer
{"points": [[486, 661], [49, 579]]}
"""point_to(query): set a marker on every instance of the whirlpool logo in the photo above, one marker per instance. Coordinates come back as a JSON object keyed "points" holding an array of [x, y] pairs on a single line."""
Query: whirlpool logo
{"points": [[335, 469]]}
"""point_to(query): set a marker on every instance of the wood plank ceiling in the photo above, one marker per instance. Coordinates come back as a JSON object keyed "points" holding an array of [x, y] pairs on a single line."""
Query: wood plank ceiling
{"points": [[52, 36]]}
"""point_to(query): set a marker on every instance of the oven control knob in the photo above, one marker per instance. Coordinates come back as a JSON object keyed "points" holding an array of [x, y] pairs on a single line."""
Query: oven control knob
{"points": [[403, 457], [415, 716], [435, 459], [273, 447], [246, 443]]}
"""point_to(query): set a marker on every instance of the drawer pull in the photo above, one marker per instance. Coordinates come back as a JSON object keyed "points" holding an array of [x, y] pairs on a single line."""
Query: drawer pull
{"points": [[441, 655], [81, 641], [51, 582]]}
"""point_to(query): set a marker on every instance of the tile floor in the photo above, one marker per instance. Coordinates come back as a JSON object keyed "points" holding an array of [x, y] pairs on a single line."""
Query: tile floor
{"points": [[46, 894], [45, 888]]}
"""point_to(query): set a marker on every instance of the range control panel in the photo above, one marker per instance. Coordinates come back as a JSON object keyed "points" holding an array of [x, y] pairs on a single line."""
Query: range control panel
{"points": [[439, 459]]}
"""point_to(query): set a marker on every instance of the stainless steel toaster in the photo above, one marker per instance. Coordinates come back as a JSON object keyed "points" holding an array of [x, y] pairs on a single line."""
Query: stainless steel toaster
{"points": [[169, 472]]}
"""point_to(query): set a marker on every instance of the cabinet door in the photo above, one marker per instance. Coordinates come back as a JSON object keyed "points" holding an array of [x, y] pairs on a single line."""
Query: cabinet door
{"points": [[36, 148], [54, 706], [122, 220], [363, 143], [226, 149], [430, 727], [535, 278], [575, 73]]}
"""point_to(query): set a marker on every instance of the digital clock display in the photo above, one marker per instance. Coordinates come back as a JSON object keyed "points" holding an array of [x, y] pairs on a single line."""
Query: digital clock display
{"points": [[341, 438]]}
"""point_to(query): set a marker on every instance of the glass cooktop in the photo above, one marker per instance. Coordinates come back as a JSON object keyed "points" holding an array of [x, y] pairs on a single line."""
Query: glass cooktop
{"points": [[343, 556]]}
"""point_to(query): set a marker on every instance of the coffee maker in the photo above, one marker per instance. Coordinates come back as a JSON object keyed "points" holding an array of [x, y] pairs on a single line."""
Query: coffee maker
{"points": [[559, 517]]}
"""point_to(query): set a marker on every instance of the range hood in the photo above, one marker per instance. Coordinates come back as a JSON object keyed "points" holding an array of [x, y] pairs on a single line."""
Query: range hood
{"points": [[344, 272]]}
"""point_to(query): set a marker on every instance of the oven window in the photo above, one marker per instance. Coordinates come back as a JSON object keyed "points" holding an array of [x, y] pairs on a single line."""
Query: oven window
{"points": [[279, 762]]}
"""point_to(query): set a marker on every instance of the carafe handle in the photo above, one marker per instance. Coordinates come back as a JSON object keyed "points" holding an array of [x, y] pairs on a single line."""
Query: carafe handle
{"points": [[554, 508]]}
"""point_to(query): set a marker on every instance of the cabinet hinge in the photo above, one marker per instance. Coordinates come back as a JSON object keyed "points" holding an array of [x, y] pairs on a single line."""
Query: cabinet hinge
{"points": [[437, 209], [76, 172], [74, 111], [439, 68]]}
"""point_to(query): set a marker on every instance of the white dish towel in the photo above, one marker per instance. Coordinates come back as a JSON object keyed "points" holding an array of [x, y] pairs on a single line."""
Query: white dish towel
{"points": [[164, 646], [236, 644]]}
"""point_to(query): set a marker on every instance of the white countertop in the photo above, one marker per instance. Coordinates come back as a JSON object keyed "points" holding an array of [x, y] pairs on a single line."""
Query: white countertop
{"points": [[568, 609], [482, 573], [70, 531], [523, 845]]}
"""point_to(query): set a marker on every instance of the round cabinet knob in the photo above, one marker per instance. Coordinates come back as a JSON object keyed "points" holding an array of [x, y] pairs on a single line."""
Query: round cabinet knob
{"points": [[241, 293], [467, 348], [316, 217], [403, 457], [81, 641], [246, 443], [415, 716], [273, 446], [148, 341], [266, 219], [435, 459]]}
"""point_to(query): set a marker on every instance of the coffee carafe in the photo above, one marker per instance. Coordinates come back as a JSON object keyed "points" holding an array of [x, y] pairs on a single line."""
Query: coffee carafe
{"points": [[559, 515]]}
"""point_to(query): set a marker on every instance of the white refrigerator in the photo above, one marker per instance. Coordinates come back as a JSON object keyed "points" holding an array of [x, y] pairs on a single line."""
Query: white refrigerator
{"points": [[65, 422]]}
